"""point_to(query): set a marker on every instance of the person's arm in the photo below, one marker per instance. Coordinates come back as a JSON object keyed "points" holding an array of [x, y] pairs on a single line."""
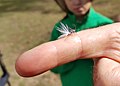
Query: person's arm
{"points": [[92, 43]]}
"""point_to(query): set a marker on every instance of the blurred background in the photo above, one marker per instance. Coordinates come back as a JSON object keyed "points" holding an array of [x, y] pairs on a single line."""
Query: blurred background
{"points": [[25, 24]]}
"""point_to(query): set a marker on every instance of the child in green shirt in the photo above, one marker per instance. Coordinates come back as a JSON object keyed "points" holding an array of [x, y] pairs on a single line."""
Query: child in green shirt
{"points": [[80, 15]]}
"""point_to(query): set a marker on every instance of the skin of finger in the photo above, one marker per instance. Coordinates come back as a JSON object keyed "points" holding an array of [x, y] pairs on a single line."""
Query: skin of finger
{"points": [[48, 55], [106, 72], [104, 41], [68, 49], [94, 42], [112, 49], [52, 54], [36, 60]]}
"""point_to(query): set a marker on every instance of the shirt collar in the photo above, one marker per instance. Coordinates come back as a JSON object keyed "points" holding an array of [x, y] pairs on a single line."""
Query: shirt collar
{"points": [[74, 20]]}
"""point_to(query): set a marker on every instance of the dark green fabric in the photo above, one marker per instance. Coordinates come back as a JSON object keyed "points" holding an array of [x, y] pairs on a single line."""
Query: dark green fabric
{"points": [[80, 72]]}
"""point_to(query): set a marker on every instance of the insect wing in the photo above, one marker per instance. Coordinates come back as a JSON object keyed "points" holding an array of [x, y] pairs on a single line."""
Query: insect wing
{"points": [[64, 30]]}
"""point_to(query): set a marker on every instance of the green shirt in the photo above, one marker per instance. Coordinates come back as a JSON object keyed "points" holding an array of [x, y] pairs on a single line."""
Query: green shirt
{"points": [[79, 72]]}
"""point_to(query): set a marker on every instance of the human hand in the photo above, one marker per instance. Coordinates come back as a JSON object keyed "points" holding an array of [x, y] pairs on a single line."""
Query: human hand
{"points": [[106, 72], [101, 41], [92, 43]]}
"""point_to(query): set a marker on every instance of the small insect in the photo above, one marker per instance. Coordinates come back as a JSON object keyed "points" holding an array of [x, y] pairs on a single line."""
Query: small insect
{"points": [[64, 30]]}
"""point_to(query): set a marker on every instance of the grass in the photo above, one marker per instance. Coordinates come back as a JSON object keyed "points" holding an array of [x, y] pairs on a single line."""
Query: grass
{"points": [[28, 23]]}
